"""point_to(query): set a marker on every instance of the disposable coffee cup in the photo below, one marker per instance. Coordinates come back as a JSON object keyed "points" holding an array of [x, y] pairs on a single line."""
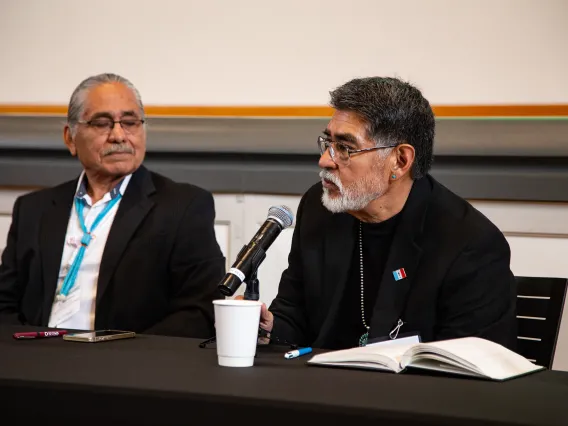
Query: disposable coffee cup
{"points": [[236, 331]]}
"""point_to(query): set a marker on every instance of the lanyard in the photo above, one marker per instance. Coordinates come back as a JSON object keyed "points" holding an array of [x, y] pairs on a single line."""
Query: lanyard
{"points": [[71, 276]]}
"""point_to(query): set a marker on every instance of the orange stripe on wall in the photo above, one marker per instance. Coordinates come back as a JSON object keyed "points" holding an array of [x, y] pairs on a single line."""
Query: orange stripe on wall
{"points": [[559, 110]]}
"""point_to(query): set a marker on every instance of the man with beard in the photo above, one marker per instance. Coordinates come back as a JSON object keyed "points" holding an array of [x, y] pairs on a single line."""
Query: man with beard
{"points": [[382, 249], [119, 247]]}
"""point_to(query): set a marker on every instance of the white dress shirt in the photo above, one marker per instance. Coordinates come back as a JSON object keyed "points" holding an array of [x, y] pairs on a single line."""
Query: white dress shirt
{"points": [[88, 274]]}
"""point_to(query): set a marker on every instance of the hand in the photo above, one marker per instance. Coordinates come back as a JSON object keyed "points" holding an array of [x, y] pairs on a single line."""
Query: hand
{"points": [[266, 320]]}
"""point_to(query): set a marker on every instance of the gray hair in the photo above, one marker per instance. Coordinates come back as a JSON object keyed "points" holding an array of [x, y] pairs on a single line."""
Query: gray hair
{"points": [[77, 101], [395, 113]]}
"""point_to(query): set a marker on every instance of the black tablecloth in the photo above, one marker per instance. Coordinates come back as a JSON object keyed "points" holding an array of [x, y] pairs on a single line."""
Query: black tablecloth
{"points": [[163, 380]]}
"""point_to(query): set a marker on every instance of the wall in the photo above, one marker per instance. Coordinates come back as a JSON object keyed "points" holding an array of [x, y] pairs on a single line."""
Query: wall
{"points": [[255, 52], [537, 234]]}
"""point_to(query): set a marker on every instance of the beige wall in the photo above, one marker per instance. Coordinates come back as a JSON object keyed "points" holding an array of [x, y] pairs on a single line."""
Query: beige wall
{"points": [[258, 52]]}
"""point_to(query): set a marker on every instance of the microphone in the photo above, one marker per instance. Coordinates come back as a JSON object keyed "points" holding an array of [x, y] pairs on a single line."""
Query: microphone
{"points": [[251, 255]]}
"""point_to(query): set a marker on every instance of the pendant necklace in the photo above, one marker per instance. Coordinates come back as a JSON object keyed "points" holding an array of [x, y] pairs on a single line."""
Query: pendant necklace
{"points": [[365, 336]]}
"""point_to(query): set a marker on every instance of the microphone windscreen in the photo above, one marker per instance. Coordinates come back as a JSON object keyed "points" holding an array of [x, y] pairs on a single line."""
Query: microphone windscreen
{"points": [[282, 214]]}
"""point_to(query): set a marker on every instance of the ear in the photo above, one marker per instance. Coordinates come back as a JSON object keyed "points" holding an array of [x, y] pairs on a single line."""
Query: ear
{"points": [[403, 159], [69, 140]]}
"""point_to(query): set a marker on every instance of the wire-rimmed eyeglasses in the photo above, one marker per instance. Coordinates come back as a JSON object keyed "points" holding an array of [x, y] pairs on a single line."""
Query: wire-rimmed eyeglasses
{"points": [[341, 153], [104, 125]]}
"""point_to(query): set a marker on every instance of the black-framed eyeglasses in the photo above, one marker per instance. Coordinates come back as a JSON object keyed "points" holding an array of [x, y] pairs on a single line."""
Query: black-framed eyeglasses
{"points": [[341, 153], [106, 124]]}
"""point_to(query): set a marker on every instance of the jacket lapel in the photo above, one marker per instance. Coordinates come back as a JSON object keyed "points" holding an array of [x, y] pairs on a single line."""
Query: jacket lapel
{"points": [[53, 229], [405, 253], [133, 208], [338, 254]]}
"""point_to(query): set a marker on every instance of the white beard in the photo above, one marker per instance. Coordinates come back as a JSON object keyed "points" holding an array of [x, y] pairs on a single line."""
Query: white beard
{"points": [[354, 197]]}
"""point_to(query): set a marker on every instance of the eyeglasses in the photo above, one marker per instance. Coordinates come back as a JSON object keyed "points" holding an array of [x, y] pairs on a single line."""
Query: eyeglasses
{"points": [[104, 125], [341, 153]]}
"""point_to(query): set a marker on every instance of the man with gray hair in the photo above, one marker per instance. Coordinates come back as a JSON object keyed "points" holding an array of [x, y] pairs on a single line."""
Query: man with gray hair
{"points": [[381, 249], [119, 247]]}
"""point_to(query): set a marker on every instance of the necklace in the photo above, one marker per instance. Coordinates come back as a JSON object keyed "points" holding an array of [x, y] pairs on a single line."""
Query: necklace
{"points": [[365, 336]]}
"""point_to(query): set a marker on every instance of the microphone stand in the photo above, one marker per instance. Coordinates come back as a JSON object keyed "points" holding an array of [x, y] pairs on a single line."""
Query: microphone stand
{"points": [[252, 292]]}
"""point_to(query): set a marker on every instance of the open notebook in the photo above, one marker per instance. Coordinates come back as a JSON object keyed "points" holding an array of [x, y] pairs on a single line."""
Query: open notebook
{"points": [[469, 356]]}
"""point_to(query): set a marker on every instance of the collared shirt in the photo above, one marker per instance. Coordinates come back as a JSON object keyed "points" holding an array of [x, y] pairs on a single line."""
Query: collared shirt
{"points": [[88, 274]]}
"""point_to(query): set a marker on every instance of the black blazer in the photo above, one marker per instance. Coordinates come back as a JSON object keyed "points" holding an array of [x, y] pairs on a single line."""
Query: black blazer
{"points": [[458, 283], [160, 267]]}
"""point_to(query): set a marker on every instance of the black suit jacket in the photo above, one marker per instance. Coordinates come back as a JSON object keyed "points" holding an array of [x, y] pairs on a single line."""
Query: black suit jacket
{"points": [[160, 267], [458, 282]]}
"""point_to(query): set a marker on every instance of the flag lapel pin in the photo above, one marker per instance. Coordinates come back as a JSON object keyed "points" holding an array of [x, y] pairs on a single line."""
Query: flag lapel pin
{"points": [[399, 274]]}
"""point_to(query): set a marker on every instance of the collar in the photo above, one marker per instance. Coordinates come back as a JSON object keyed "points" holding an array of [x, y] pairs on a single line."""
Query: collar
{"points": [[119, 188]]}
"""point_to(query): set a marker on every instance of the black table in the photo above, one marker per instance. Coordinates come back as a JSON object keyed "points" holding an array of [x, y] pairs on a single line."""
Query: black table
{"points": [[155, 380]]}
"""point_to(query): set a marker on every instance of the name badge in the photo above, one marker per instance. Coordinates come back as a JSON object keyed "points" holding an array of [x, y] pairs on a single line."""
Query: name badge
{"points": [[402, 339]]}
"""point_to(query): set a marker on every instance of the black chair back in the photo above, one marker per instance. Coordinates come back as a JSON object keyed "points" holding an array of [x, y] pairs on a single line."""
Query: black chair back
{"points": [[540, 302]]}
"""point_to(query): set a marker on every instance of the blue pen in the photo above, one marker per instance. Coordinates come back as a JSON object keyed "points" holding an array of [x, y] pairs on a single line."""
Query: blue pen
{"points": [[297, 353]]}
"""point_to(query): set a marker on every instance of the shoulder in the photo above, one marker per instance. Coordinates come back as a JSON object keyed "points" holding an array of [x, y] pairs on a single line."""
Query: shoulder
{"points": [[39, 198], [179, 192], [458, 217]]}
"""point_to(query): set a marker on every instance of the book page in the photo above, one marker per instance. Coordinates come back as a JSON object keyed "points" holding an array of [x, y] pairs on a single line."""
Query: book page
{"points": [[431, 364], [388, 355], [360, 365], [433, 361], [424, 352], [489, 358]]}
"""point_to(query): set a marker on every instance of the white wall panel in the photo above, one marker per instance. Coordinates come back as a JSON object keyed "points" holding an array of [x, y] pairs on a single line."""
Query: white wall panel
{"points": [[253, 52]]}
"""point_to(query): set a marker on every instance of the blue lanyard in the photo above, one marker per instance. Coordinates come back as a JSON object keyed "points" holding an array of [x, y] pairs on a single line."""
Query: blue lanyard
{"points": [[71, 276]]}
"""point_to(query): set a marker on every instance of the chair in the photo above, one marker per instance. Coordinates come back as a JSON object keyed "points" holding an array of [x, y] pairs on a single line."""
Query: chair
{"points": [[540, 302]]}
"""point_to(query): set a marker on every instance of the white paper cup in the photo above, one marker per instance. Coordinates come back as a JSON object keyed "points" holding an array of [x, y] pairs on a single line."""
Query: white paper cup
{"points": [[236, 331]]}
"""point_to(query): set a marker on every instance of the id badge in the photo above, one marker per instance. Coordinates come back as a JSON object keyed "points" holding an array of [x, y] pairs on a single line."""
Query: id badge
{"points": [[65, 307], [402, 339]]}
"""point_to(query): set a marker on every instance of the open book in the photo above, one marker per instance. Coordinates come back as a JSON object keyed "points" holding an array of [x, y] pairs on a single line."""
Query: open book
{"points": [[469, 356]]}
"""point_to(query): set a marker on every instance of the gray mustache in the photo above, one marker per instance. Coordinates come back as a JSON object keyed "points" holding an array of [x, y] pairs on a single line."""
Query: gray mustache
{"points": [[324, 174], [118, 148]]}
